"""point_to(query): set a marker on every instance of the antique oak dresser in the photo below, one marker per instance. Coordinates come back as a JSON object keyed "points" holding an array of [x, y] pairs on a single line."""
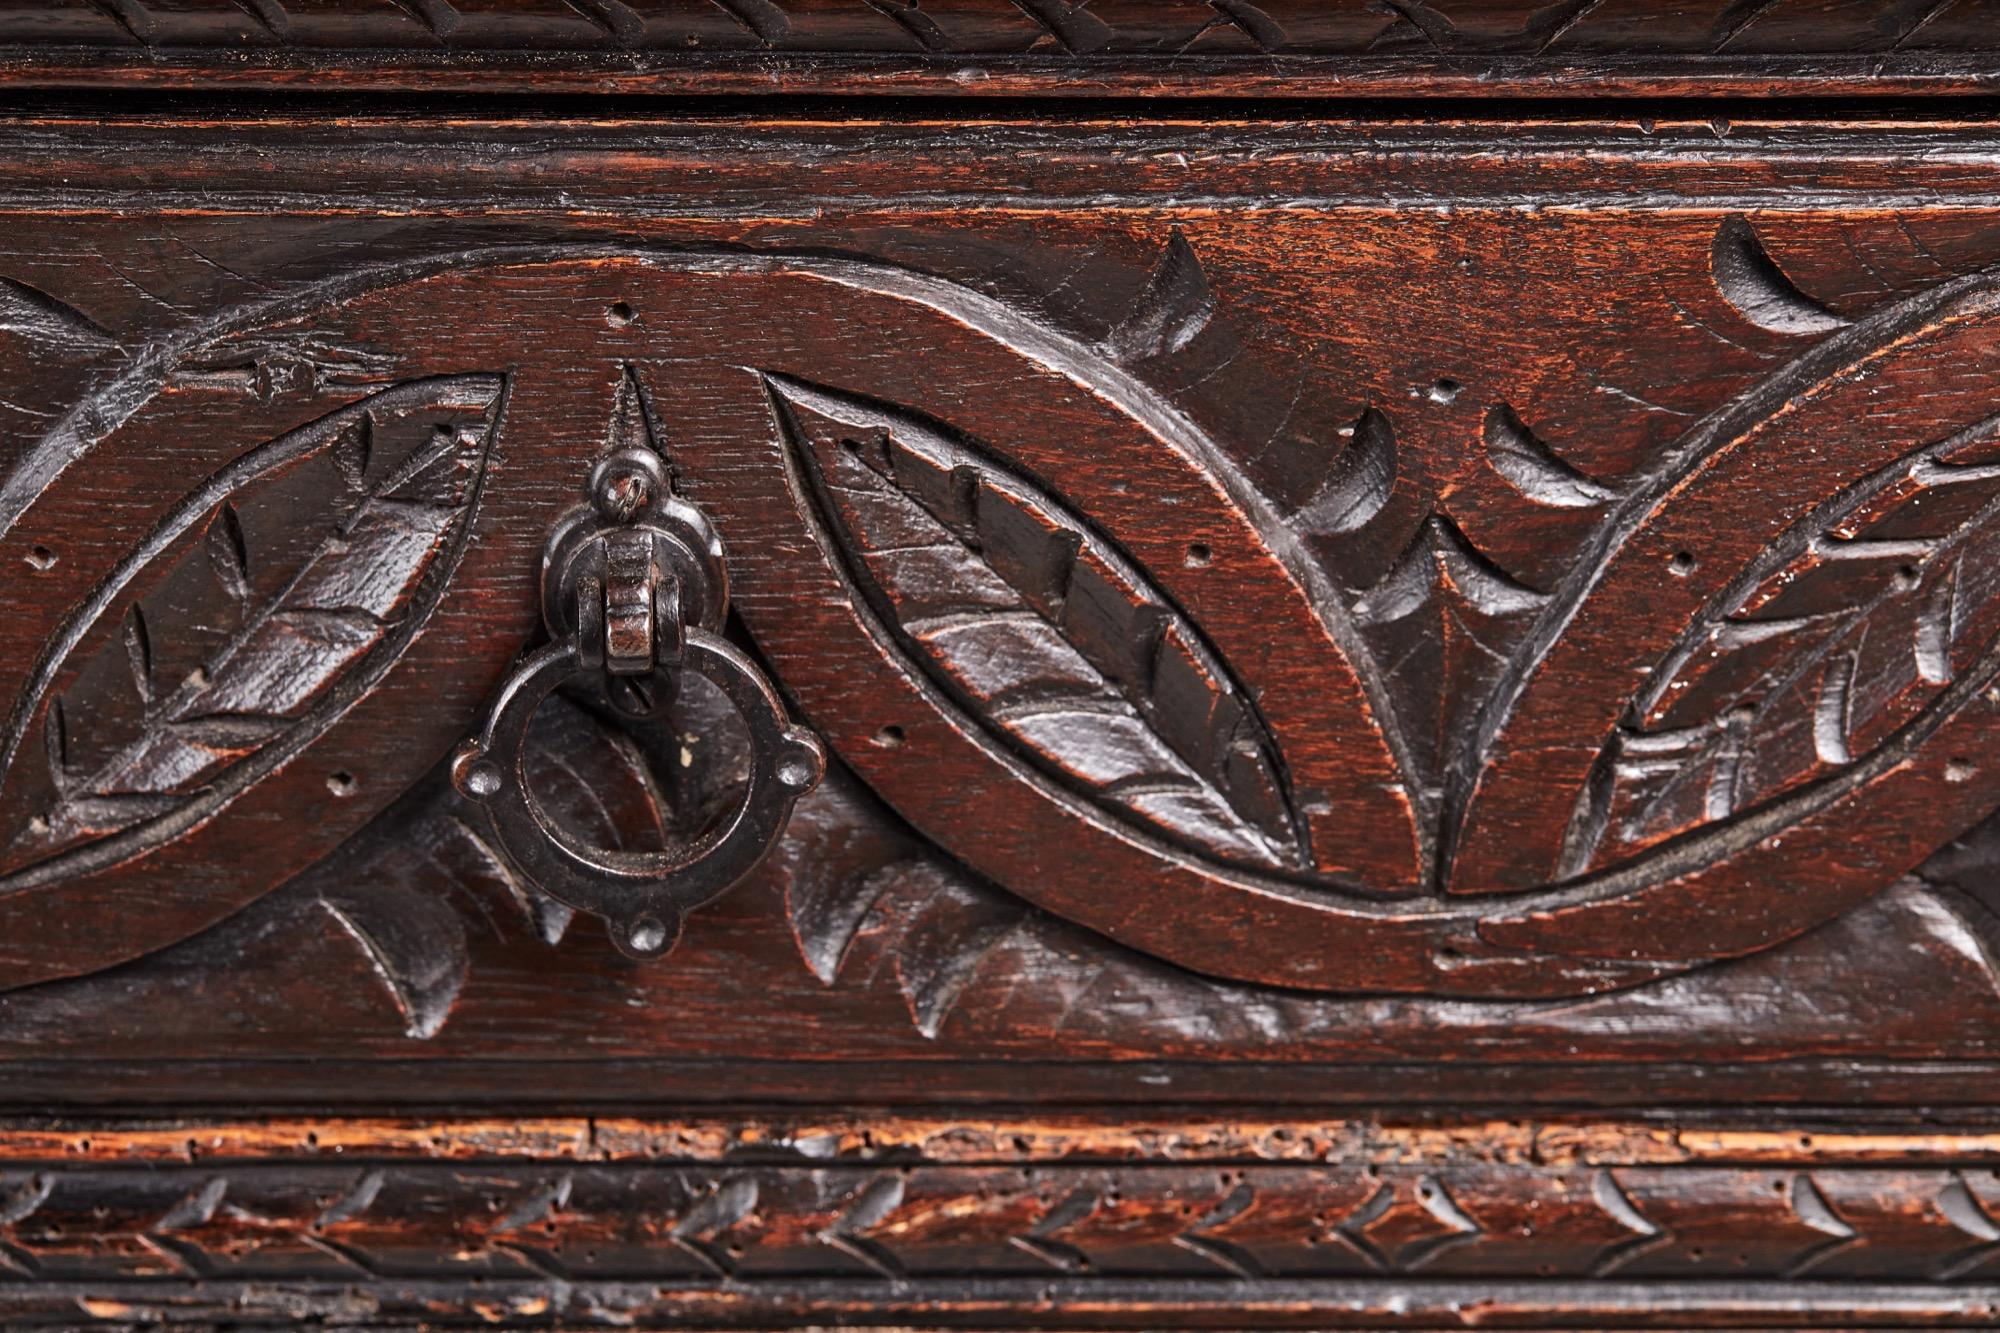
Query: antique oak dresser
{"points": [[1058, 664]]}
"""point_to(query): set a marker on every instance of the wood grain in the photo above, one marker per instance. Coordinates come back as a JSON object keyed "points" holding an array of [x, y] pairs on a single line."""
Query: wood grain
{"points": [[1412, 683], [1421, 372], [611, 1222]]}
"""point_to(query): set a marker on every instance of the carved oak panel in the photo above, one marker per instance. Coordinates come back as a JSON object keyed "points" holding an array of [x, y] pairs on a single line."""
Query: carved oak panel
{"points": [[1232, 593], [1410, 701]]}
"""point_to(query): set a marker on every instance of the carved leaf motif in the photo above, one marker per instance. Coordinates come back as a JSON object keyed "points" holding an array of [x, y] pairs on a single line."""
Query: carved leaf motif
{"points": [[850, 870], [235, 633], [1171, 312], [1803, 590], [1359, 483], [1449, 613], [1844, 631], [1040, 629], [414, 941], [33, 313]]}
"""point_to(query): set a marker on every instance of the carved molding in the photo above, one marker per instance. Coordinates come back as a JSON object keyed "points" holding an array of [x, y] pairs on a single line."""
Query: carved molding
{"points": [[1163, 28], [613, 1221], [974, 46]]}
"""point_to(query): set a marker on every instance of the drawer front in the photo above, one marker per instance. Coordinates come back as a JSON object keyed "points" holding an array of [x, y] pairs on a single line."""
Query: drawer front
{"points": [[1482, 564], [1444, 622]]}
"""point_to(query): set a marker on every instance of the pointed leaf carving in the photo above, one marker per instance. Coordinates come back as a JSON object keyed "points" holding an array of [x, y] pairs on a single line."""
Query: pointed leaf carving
{"points": [[232, 636], [1036, 626], [1449, 614], [1172, 311], [1780, 638], [1358, 484], [415, 942], [33, 313], [912, 20], [765, 20], [1839, 634], [1259, 26]]}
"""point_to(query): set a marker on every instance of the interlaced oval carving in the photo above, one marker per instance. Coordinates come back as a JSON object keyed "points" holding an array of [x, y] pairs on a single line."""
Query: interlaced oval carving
{"points": [[1051, 621]]}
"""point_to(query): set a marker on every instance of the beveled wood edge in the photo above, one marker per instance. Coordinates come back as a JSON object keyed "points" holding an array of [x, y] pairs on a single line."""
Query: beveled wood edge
{"points": [[1125, 1137]]}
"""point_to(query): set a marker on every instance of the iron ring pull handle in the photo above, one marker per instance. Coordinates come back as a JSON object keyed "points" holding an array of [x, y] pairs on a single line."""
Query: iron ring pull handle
{"points": [[634, 590]]}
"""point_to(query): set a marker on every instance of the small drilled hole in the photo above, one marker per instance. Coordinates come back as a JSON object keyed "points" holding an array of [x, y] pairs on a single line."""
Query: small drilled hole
{"points": [[618, 315], [41, 557], [1907, 578], [889, 737], [342, 783], [1445, 391], [1198, 555], [1682, 564]]}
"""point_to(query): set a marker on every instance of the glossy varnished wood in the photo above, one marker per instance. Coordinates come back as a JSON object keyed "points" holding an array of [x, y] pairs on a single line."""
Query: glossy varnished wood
{"points": [[1424, 615], [1012, 1223]]}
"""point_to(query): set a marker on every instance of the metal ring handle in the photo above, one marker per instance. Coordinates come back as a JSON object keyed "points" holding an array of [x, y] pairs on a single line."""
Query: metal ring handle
{"points": [[643, 896]]}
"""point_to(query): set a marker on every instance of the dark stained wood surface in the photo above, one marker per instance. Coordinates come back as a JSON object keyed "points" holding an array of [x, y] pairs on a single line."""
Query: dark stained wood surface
{"points": [[1426, 615], [1014, 1223], [1323, 687], [1036, 48]]}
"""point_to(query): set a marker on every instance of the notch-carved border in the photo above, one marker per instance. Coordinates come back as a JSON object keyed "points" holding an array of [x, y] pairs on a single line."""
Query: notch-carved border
{"points": [[792, 1221]]}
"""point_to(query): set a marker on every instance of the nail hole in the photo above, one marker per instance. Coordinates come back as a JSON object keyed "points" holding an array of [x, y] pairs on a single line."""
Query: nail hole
{"points": [[342, 783], [1445, 391], [889, 737], [1907, 578], [1198, 555], [618, 315], [1682, 564], [41, 557]]}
